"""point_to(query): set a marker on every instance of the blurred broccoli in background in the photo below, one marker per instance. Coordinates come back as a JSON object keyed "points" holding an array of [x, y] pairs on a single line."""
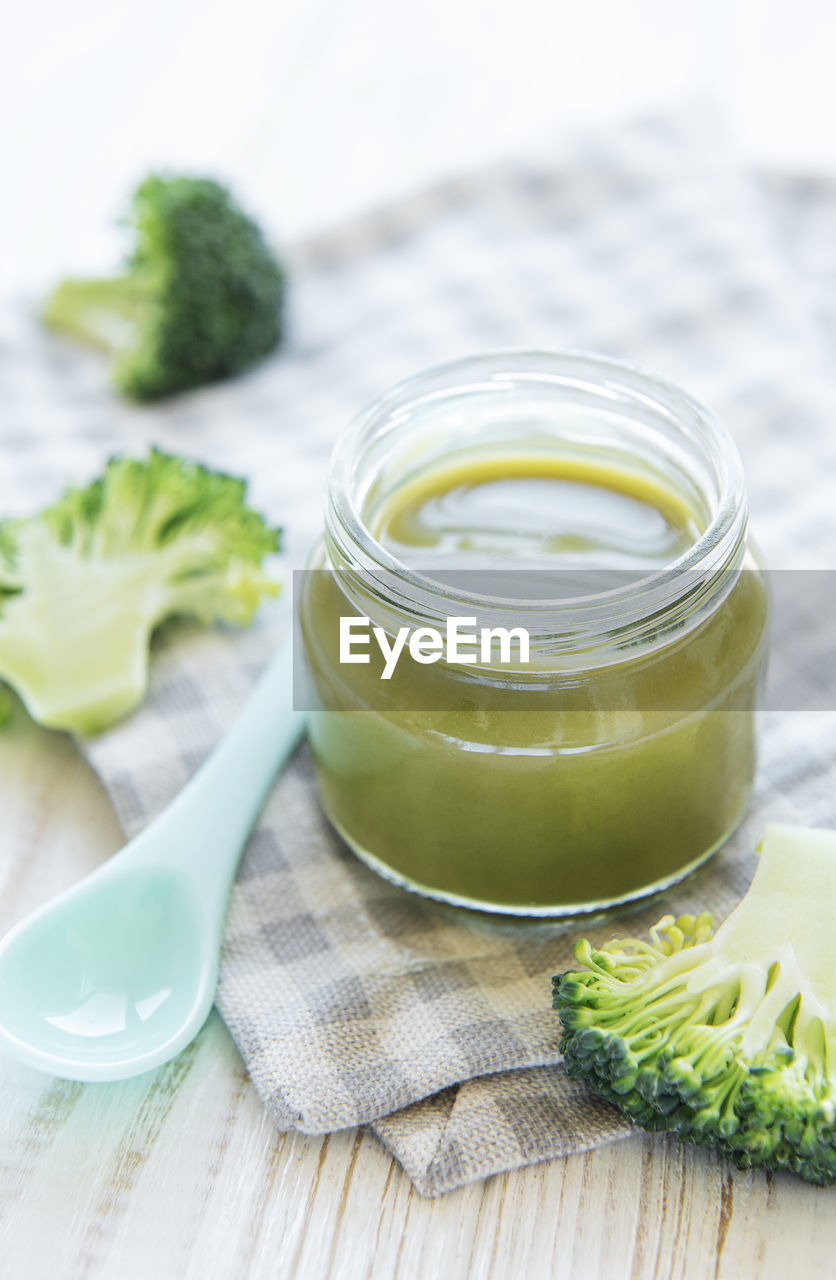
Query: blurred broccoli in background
{"points": [[85, 583], [200, 299]]}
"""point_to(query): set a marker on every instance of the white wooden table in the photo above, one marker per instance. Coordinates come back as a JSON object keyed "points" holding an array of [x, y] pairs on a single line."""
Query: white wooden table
{"points": [[180, 1174]]}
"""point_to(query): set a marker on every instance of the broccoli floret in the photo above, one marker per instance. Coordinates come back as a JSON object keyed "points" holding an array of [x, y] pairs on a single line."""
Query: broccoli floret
{"points": [[200, 300], [727, 1039], [84, 584]]}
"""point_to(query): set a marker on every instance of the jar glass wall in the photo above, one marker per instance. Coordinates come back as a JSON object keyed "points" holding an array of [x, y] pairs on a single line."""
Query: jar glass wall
{"points": [[622, 753]]}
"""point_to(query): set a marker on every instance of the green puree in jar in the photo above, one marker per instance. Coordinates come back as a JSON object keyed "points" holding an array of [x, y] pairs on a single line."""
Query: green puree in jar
{"points": [[534, 513], [631, 769]]}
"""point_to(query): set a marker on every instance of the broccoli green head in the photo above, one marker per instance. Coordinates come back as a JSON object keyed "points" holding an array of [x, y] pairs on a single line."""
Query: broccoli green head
{"points": [[728, 1038], [200, 301], [84, 584]]}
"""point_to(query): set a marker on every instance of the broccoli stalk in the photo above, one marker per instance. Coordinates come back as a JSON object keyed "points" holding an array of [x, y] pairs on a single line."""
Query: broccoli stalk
{"points": [[200, 300], [727, 1039], [84, 584], [107, 314]]}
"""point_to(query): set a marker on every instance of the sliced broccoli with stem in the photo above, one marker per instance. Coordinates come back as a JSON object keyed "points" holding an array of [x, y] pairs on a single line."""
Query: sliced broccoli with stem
{"points": [[725, 1038], [200, 299], [84, 584]]}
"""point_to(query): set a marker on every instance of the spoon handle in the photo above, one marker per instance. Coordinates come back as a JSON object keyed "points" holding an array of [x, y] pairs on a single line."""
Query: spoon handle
{"points": [[208, 822]]}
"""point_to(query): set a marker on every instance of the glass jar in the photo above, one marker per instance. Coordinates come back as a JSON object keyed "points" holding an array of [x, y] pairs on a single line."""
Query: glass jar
{"points": [[622, 754]]}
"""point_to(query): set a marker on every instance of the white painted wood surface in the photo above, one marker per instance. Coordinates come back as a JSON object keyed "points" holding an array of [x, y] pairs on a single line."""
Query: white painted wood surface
{"points": [[317, 110], [180, 1174]]}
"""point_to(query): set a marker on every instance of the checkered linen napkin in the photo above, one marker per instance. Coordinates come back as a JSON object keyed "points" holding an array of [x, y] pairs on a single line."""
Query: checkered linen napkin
{"points": [[351, 1001]]}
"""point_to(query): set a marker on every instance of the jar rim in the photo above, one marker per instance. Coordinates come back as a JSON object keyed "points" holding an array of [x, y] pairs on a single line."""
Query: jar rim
{"points": [[704, 569]]}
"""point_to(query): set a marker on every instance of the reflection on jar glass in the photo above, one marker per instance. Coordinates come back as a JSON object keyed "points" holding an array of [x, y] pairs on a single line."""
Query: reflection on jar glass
{"points": [[601, 510]]}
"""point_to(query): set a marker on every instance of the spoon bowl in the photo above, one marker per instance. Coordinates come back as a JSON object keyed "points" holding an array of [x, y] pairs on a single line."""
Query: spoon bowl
{"points": [[107, 981], [118, 974]]}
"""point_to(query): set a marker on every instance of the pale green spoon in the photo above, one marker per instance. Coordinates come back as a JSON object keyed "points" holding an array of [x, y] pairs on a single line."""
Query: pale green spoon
{"points": [[118, 974]]}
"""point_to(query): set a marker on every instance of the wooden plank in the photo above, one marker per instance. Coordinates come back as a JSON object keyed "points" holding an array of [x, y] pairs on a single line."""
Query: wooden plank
{"points": [[180, 1173]]}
